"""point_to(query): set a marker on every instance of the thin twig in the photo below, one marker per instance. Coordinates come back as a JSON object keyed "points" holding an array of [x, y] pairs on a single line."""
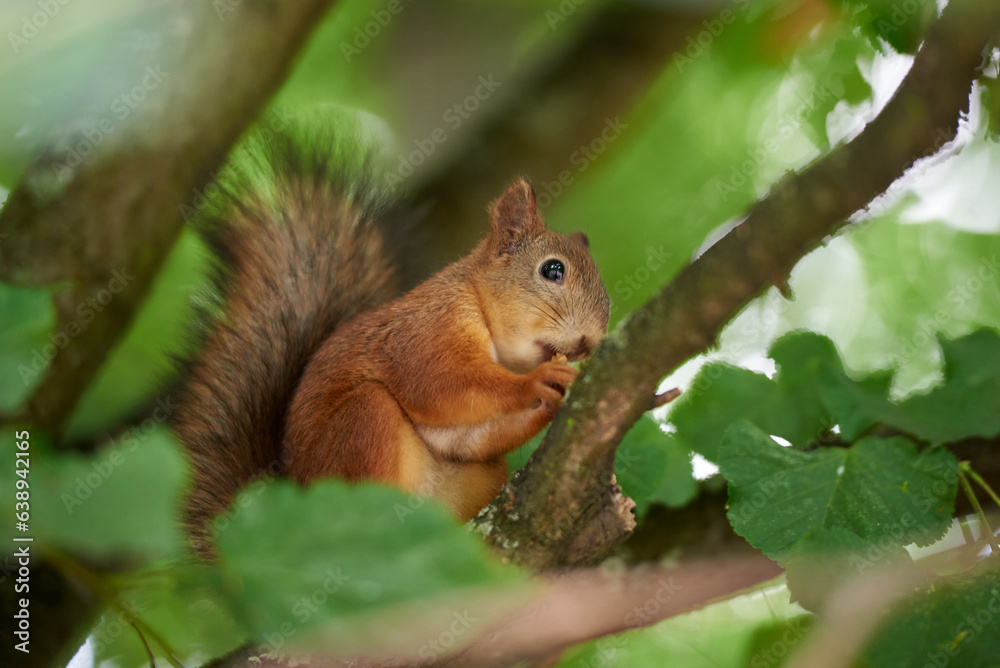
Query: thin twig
{"points": [[142, 638], [665, 398], [969, 471], [984, 523], [74, 570], [562, 511]]}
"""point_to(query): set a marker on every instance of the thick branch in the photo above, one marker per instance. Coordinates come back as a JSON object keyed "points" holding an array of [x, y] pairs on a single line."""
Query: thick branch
{"points": [[119, 211], [561, 511], [106, 225], [561, 612]]}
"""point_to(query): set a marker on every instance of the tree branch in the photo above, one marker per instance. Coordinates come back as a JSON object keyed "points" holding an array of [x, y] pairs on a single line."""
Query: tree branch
{"points": [[106, 226], [561, 612], [119, 212], [564, 508]]}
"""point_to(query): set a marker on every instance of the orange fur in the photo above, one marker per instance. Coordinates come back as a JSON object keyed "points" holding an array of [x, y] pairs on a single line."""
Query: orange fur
{"points": [[311, 373], [461, 364]]}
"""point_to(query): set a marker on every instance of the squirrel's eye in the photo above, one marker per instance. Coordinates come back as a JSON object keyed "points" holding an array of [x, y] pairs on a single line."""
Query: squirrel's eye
{"points": [[552, 270]]}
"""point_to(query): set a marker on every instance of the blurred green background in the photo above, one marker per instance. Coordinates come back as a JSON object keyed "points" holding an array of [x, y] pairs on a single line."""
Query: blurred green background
{"points": [[760, 88]]}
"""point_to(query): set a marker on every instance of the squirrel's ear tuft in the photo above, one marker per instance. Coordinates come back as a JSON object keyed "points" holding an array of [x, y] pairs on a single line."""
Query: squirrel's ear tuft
{"points": [[514, 216]]}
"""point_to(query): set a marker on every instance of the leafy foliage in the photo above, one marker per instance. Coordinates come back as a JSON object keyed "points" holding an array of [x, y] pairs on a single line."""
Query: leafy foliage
{"points": [[653, 467], [901, 25], [170, 599], [877, 489], [812, 392], [28, 319], [953, 622], [285, 549], [118, 503], [753, 98], [968, 403], [842, 502]]}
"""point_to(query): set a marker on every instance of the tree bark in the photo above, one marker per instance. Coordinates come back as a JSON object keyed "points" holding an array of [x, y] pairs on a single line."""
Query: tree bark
{"points": [[562, 611], [106, 226], [564, 509], [117, 215]]}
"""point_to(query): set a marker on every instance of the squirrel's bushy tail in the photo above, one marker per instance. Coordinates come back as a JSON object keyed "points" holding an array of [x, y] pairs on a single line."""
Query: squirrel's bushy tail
{"points": [[298, 249]]}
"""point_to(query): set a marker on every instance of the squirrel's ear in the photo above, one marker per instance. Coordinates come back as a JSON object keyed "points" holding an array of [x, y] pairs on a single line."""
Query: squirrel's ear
{"points": [[581, 239], [514, 216]]}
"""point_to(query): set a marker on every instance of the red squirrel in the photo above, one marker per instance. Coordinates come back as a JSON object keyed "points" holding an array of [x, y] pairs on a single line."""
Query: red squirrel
{"points": [[313, 371]]}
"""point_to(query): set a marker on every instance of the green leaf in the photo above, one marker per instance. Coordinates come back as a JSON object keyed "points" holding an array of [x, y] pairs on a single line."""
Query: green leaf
{"points": [[813, 362], [719, 396], [174, 602], [28, 318], [838, 77], [789, 406], [879, 489], [775, 640], [679, 485], [968, 403], [857, 405], [802, 358], [518, 458], [132, 374], [305, 557], [119, 502], [901, 24], [716, 636], [951, 623], [825, 557], [653, 466], [641, 460]]}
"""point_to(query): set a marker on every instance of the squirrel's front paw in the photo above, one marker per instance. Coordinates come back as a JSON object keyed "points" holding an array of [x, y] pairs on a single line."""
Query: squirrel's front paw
{"points": [[548, 382]]}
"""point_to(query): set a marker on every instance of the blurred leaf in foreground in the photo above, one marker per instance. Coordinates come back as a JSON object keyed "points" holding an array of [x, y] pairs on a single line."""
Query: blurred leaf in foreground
{"points": [[950, 623], [120, 501], [330, 556]]}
